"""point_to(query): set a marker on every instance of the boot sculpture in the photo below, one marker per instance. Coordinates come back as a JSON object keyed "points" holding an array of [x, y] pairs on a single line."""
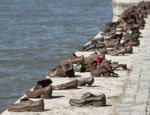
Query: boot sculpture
{"points": [[27, 105], [129, 49], [89, 99], [70, 85], [63, 70], [74, 60], [87, 81], [104, 69], [100, 72], [68, 69], [88, 47], [112, 43], [116, 65], [91, 57], [42, 89], [90, 66], [57, 72], [117, 51]]}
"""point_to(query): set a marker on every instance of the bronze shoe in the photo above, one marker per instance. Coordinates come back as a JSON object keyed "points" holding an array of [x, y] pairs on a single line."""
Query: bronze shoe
{"points": [[102, 72], [89, 46], [87, 81], [116, 65], [100, 45], [112, 43], [89, 99], [74, 60], [87, 95], [123, 66], [91, 57], [129, 49], [27, 105], [90, 66], [45, 92], [117, 51], [70, 85], [68, 69], [42, 83], [97, 40], [102, 51], [43, 89], [133, 43], [57, 72]]}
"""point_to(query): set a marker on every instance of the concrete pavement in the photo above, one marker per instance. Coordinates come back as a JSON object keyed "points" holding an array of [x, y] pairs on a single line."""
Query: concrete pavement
{"points": [[136, 100]]}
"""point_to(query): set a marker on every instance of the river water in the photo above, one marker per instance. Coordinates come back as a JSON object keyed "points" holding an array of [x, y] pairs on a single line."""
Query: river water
{"points": [[36, 34]]}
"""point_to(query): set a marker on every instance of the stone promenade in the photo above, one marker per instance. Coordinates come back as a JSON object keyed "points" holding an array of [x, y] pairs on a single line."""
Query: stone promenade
{"points": [[136, 98]]}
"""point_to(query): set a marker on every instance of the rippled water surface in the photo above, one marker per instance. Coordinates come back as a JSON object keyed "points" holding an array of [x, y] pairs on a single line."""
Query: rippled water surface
{"points": [[36, 34]]}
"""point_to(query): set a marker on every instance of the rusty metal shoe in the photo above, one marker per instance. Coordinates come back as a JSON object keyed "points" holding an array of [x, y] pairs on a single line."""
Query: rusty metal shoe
{"points": [[102, 72], [90, 66], [74, 60], [112, 43], [117, 51], [43, 89], [129, 49], [109, 33], [123, 66], [97, 40], [27, 105], [90, 58], [100, 45], [70, 85], [72, 56], [87, 81], [45, 92], [102, 51], [42, 83], [89, 47], [68, 69], [86, 95], [89, 99], [57, 72], [116, 65], [133, 43]]}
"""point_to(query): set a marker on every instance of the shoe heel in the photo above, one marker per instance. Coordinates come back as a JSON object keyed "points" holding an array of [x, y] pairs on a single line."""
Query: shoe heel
{"points": [[91, 82], [123, 53], [47, 95], [98, 104]]}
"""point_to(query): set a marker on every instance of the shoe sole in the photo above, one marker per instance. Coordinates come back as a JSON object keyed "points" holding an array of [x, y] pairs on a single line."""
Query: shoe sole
{"points": [[95, 104], [32, 109]]}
